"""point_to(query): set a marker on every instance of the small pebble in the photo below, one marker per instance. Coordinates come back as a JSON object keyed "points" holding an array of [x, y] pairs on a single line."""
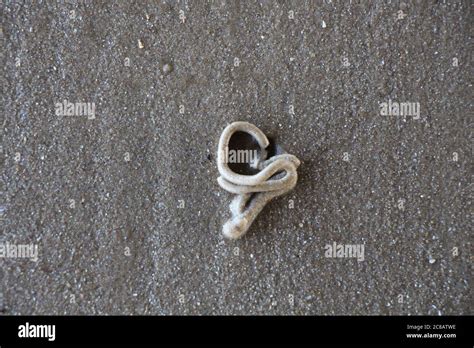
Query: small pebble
{"points": [[167, 68]]}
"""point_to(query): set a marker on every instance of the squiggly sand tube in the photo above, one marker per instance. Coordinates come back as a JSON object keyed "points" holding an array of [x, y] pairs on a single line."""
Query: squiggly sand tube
{"points": [[253, 191]]}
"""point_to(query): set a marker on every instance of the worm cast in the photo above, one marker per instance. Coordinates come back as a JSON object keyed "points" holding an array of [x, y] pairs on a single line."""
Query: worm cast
{"points": [[253, 191]]}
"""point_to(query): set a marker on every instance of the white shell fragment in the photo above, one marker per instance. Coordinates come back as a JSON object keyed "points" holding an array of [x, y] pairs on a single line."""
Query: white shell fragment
{"points": [[253, 191]]}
